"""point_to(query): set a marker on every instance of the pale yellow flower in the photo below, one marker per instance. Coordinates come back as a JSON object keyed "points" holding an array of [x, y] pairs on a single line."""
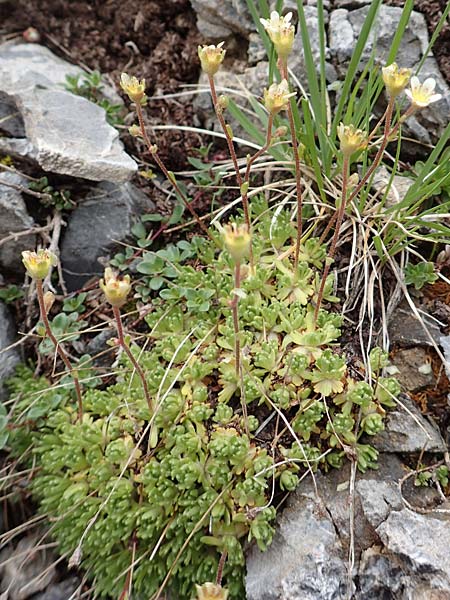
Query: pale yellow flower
{"points": [[211, 591], [211, 57], [277, 97], [422, 94], [133, 87], [395, 79], [116, 290], [351, 139], [237, 240], [281, 32], [38, 263]]}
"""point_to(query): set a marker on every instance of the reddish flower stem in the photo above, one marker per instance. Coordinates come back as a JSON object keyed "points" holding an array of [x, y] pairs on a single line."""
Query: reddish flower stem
{"points": [[133, 361], [298, 183], [59, 349], [168, 175]]}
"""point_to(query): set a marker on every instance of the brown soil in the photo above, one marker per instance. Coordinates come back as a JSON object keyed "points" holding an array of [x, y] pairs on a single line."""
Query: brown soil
{"points": [[156, 40]]}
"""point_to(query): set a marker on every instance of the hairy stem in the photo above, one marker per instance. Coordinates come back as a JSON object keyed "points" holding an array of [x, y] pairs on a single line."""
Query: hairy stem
{"points": [[234, 309], [223, 558], [340, 215], [59, 349], [373, 166], [133, 361], [168, 175], [298, 183]]}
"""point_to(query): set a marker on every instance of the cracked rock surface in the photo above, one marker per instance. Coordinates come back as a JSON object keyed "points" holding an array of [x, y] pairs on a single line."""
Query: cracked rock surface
{"points": [[399, 553]]}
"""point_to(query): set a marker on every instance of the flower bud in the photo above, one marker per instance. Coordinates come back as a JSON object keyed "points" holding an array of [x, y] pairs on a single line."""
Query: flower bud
{"points": [[237, 241], [134, 88], [211, 57], [277, 97], [395, 79], [116, 290], [223, 102], [280, 131], [38, 263], [49, 299], [281, 32], [211, 591], [351, 139], [135, 131], [353, 180]]}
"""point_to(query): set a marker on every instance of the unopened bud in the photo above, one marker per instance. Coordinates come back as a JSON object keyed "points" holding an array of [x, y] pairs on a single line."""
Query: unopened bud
{"points": [[154, 149], [49, 299], [229, 131], [135, 131], [223, 102], [353, 180], [280, 131], [244, 188], [32, 35]]}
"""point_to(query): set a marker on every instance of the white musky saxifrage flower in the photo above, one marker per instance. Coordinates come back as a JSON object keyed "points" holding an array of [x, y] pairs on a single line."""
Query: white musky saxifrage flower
{"points": [[281, 32], [422, 94]]}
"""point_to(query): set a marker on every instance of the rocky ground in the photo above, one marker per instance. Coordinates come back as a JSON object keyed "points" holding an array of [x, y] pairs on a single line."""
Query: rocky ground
{"points": [[391, 536]]}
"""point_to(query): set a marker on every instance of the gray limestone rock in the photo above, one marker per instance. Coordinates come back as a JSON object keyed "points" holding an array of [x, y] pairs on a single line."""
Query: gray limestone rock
{"points": [[9, 359], [64, 133], [71, 136], [406, 330], [414, 369], [95, 228], [408, 431], [344, 29], [305, 560], [218, 19], [14, 219], [25, 570]]}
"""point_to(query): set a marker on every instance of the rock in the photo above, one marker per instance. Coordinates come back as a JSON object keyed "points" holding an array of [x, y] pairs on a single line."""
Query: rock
{"points": [[408, 431], [344, 29], [71, 136], [14, 219], [414, 369], [65, 133], [11, 122], [406, 330], [305, 560], [445, 343], [398, 187], [218, 19], [9, 359], [25, 570], [395, 554], [59, 591], [95, 228]]}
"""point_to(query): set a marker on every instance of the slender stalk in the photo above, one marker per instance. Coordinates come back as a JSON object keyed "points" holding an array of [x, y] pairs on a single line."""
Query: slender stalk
{"points": [[223, 558], [133, 361], [373, 166], [234, 309], [164, 169], [285, 75], [332, 250], [59, 349]]}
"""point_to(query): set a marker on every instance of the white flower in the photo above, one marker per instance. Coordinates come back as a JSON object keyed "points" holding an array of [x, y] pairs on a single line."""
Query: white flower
{"points": [[422, 94], [276, 98], [280, 31], [211, 57]]}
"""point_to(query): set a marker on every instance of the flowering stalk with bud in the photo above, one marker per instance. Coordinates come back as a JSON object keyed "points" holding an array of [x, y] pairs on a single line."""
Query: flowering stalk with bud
{"points": [[281, 33], [38, 265], [352, 140], [136, 92], [116, 292]]}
